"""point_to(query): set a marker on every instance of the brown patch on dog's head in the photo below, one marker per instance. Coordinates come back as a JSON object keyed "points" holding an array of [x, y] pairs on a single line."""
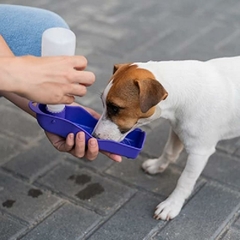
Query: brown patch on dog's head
{"points": [[117, 66], [134, 94]]}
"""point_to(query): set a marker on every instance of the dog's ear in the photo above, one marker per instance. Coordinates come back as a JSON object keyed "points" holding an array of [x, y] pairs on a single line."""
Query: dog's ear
{"points": [[117, 66], [151, 92]]}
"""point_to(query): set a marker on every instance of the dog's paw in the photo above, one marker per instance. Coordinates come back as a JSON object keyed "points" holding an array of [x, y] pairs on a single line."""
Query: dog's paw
{"points": [[168, 209], [153, 166]]}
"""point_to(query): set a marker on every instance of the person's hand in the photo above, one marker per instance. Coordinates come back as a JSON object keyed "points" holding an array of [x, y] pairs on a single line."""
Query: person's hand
{"points": [[47, 80], [77, 146]]}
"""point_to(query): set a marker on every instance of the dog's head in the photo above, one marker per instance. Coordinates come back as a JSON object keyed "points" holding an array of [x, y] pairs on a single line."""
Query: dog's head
{"points": [[129, 100]]}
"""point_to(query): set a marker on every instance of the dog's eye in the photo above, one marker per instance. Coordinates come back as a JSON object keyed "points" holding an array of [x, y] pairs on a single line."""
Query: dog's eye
{"points": [[115, 109], [112, 109]]}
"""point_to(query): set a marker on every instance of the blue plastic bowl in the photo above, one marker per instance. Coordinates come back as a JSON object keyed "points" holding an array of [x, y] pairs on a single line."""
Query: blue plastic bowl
{"points": [[78, 119]]}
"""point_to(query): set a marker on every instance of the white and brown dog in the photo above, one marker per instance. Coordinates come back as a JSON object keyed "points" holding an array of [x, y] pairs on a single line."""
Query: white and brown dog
{"points": [[201, 100]]}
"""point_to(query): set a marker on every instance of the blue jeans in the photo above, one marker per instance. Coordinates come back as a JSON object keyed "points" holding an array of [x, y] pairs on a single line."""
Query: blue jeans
{"points": [[22, 27]]}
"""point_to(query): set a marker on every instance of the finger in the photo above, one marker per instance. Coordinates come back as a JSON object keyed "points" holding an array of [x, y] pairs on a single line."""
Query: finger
{"points": [[83, 77], [78, 62], [69, 143], [67, 99], [112, 156], [74, 90], [93, 149], [79, 150]]}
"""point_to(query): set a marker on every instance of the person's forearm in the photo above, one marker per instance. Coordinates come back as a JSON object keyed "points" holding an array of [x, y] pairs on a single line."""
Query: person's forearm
{"points": [[57, 79], [4, 49], [18, 101], [12, 97], [5, 52]]}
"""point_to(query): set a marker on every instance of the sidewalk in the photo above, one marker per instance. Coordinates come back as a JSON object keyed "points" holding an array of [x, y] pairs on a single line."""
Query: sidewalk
{"points": [[47, 195]]}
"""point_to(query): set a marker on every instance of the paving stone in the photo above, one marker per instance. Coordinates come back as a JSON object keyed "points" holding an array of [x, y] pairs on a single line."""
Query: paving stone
{"points": [[29, 128], [9, 147], [68, 222], [237, 223], [9, 227], [138, 40], [205, 216], [232, 234], [147, 52], [87, 188], [95, 59], [223, 168], [188, 9], [104, 29], [156, 138], [223, 11], [24, 200], [100, 164], [133, 221], [130, 171], [207, 36], [34, 162], [175, 34], [229, 146], [91, 40], [237, 153]]}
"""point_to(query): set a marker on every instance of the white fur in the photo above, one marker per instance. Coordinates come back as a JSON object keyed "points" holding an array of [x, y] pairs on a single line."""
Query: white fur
{"points": [[203, 107], [106, 129]]}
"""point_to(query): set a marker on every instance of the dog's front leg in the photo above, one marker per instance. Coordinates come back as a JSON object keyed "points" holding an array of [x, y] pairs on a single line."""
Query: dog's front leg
{"points": [[170, 154], [171, 207]]}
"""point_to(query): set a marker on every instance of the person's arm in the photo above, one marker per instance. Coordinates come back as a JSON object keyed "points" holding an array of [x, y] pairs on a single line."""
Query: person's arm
{"points": [[75, 146], [54, 79], [14, 98]]}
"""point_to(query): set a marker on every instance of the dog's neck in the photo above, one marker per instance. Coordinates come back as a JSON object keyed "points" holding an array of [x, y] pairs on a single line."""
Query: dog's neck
{"points": [[166, 108]]}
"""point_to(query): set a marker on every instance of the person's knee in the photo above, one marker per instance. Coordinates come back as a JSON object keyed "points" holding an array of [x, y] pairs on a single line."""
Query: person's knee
{"points": [[22, 27], [51, 19]]}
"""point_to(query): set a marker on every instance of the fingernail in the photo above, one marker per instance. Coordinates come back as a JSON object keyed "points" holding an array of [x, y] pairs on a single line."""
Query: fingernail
{"points": [[71, 135], [93, 142], [81, 136], [117, 158]]}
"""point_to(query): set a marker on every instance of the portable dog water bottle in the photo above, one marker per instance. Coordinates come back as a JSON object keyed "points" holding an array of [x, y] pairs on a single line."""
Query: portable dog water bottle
{"points": [[58, 42], [62, 120]]}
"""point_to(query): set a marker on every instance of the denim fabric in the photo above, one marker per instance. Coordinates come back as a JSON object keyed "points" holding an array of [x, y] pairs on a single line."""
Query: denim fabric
{"points": [[22, 27]]}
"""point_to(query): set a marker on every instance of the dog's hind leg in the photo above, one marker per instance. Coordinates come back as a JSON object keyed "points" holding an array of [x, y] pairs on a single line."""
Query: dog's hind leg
{"points": [[170, 154], [171, 207]]}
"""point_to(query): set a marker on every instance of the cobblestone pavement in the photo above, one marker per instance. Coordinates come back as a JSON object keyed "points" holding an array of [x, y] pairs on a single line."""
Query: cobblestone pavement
{"points": [[45, 194]]}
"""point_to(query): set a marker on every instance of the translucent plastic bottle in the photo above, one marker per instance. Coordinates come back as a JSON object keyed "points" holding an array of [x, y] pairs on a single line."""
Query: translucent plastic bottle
{"points": [[58, 42]]}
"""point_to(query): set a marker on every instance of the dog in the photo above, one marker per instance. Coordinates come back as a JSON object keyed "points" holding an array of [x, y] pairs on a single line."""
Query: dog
{"points": [[200, 99]]}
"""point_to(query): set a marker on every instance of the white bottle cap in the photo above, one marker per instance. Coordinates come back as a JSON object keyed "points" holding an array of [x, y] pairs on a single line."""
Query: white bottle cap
{"points": [[58, 42], [55, 108]]}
